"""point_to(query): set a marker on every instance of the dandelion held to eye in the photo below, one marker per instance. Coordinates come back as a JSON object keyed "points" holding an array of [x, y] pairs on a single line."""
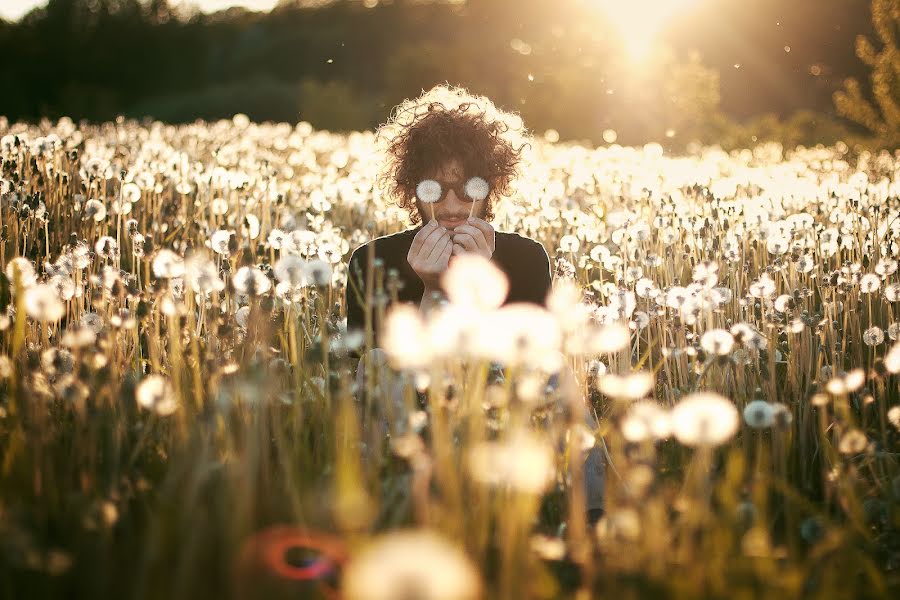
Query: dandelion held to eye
{"points": [[429, 192], [477, 189]]}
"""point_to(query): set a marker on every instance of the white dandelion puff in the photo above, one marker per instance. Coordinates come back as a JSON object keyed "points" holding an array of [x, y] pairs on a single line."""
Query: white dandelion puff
{"points": [[156, 394], [477, 188], [220, 240], [291, 269], [473, 281], [27, 276], [633, 386], [873, 336], [718, 342], [704, 419], [645, 421], [411, 564], [251, 281], [167, 264], [759, 414], [524, 462], [42, 303], [428, 191]]}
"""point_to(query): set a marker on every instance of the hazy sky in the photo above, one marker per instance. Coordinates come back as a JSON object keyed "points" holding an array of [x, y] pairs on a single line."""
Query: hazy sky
{"points": [[12, 10]]}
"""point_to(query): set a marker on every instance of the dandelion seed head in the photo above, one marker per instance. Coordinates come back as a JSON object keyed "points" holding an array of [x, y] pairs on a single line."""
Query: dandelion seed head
{"points": [[251, 281], [718, 342], [475, 282], [759, 414], [156, 394], [645, 421], [633, 386], [524, 462], [704, 419], [42, 303], [410, 564]]}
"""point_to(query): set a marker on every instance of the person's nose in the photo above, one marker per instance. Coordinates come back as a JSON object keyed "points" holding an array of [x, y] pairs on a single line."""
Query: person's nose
{"points": [[453, 204]]}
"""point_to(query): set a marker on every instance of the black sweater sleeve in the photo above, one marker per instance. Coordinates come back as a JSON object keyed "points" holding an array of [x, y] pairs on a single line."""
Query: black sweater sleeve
{"points": [[542, 279], [355, 290]]}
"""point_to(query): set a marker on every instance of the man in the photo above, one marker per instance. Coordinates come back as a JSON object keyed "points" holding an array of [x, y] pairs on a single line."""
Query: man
{"points": [[451, 147], [450, 157]]}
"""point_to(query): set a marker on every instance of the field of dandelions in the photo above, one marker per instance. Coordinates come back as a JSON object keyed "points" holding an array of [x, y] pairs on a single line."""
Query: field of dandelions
{"points": [[180, 415]]}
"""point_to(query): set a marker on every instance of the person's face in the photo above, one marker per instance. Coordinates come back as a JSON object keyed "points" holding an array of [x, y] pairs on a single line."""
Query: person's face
{"points": [[451, 210]]}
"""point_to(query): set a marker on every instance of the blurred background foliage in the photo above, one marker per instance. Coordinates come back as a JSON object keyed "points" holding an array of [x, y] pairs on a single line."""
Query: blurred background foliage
{"points": [[342, 65]]}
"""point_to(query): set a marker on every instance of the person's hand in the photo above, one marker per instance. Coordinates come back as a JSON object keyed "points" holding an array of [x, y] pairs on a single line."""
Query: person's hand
{"points": [[429, 254], [475, 236]]}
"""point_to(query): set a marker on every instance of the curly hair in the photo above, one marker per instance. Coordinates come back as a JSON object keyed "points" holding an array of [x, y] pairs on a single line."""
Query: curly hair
{"points": [[443, 123]]}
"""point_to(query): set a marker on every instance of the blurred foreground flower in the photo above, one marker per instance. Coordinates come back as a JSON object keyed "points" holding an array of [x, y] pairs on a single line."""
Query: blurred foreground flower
{"points": [[633, 386], [474, 281], [704, 419], [411, 564], [156, 394], [523, 461], [42, 303]]}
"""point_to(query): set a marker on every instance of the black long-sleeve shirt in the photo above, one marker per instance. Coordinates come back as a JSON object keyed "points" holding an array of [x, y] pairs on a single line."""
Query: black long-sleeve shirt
{"points": [[523, 259]]}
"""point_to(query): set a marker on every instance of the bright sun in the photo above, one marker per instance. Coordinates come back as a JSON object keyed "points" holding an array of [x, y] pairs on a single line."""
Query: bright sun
{"points": [[639, 21]]}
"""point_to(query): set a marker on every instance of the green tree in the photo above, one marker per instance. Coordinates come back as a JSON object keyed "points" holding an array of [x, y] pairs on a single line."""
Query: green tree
{"points": [[882, 117]]}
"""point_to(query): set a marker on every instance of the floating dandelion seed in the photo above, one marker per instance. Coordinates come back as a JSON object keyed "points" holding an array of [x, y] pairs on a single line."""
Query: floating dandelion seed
{"points": [[524, 462], [704, 419], [411, 564], [633, 386], [156, 394], [473, 281], [42, 303], [167, 264], [717, 341], [251, 281], [759, 414]]}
